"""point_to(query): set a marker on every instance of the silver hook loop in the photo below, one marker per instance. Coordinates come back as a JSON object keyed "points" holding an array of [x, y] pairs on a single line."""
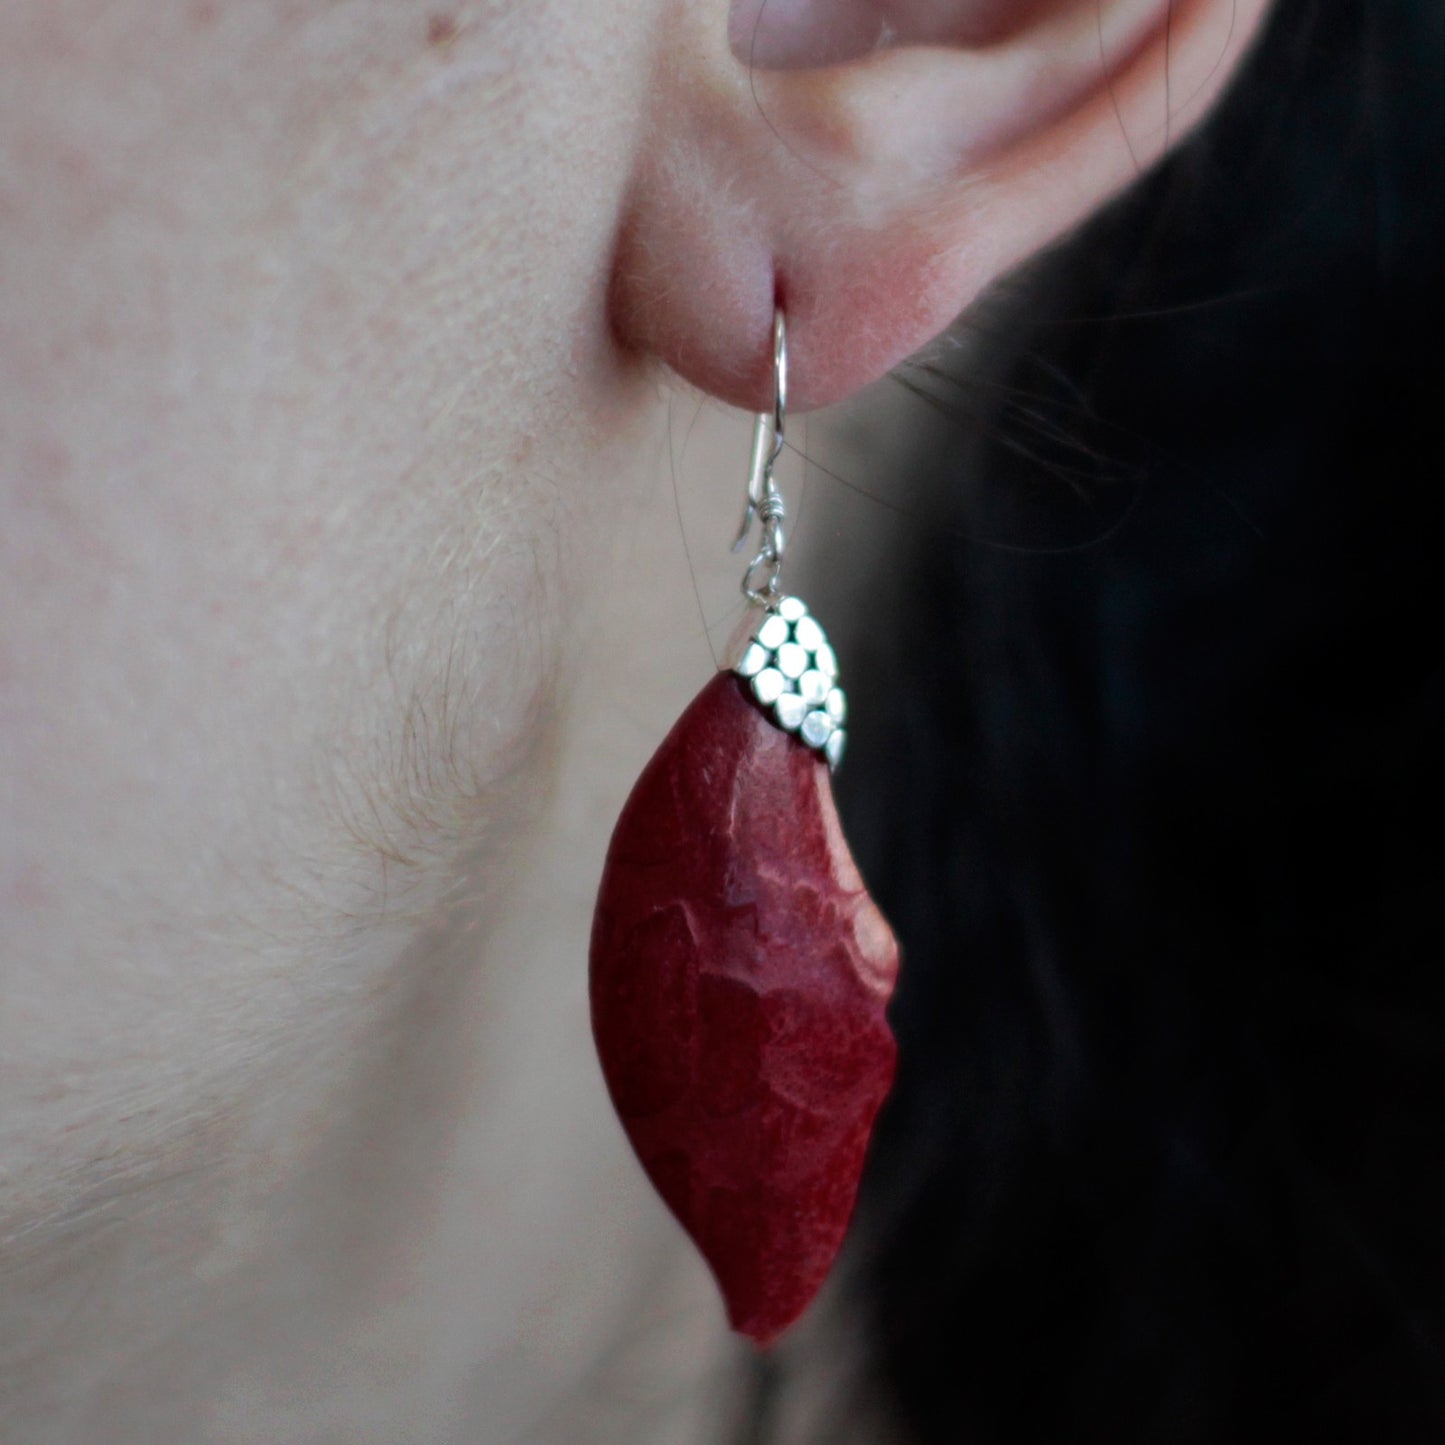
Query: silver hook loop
{"points": [[764, 501]]}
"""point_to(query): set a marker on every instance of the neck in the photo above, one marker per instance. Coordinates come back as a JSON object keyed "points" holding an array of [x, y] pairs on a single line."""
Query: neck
{"points": [[427, 1227]]}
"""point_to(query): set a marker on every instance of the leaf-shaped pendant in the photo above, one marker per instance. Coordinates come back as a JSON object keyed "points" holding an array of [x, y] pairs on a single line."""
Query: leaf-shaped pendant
{"points": [[739, 977]]}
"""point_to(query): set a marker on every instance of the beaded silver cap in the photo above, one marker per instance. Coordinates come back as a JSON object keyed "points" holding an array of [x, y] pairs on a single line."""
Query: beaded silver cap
{"points": [[793, 674]]}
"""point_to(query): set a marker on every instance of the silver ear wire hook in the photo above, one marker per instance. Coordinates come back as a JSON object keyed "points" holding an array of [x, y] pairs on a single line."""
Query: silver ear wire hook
{"points": [[764, 500]]}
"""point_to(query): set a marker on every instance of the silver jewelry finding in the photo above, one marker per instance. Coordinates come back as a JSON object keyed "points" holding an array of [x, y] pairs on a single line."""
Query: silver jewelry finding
{"points": [[793, 674], [788, 664], [764, 500]]}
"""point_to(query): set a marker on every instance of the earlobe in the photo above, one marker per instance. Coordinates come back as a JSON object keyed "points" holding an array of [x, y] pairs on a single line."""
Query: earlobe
{"points": [[875, 199]]}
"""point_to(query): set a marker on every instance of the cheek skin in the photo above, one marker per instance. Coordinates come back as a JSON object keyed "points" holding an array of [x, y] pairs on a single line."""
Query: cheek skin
{"points": [[292, 552]]}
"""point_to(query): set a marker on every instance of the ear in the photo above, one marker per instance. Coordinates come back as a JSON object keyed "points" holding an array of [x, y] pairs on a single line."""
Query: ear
{"points": [[891, 160]]}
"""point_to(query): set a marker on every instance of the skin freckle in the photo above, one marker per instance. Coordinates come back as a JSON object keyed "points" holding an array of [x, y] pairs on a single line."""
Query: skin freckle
{"points": [[441, 30]]}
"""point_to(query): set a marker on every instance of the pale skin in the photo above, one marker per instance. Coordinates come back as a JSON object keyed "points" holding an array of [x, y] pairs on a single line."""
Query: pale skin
{"points": [[336, 341]]}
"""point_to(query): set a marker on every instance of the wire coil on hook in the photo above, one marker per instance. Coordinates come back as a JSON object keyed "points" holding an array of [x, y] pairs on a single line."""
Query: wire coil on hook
{"points": [[760, 583]]}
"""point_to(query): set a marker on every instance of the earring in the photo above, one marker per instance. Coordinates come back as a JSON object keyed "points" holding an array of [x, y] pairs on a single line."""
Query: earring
{"points": [[739, 968]]}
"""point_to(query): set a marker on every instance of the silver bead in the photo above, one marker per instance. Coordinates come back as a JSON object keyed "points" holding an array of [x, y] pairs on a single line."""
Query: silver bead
{"points": [[792, 660], [773, 632], [753, 661], [814, 687], [817, 728], [790, 710], [768, 686], [825, 661], [833, 748], [807, 633], [790, 609], [836, 705]]}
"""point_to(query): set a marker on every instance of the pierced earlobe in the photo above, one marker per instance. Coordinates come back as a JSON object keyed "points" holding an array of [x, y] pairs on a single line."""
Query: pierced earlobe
{"points": [[880, 195]]}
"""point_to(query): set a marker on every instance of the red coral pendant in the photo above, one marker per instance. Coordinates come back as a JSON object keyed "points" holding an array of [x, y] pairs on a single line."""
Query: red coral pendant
{"points": [[739, 977]]}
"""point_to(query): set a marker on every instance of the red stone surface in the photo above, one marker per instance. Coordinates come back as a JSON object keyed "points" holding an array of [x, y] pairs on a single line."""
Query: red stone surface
{"points": [[739, 976]]}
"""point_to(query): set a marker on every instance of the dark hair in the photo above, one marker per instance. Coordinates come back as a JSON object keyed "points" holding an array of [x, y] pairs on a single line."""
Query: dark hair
{"points": [[1149, 779]]}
